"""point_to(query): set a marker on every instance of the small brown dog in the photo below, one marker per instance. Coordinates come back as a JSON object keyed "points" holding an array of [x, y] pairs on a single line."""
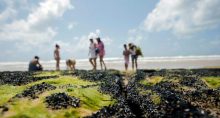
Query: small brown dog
{"points": [[70, 64]]}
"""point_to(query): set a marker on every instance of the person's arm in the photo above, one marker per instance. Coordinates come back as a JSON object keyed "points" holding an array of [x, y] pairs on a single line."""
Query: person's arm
{"points": [[103, 46], [96, 45], [39, 64], [54, 54], [89, 51], [58, 54]]}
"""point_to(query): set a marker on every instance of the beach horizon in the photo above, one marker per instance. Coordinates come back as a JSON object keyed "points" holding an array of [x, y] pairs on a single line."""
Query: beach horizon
{"points": [[172, 62]]}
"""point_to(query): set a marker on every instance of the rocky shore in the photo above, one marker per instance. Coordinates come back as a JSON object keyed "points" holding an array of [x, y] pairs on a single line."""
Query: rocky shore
{"points": [[178, 93]]}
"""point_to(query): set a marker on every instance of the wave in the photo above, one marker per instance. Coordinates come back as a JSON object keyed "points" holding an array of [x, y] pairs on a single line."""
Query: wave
{"points": [[119, 59]]}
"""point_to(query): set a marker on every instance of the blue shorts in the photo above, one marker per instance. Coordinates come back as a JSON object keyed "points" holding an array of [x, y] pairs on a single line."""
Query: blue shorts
{"points": [[134, 57]]}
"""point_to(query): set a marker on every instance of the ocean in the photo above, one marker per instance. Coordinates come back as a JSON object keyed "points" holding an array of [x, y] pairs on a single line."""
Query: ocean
{"points": [[187, 62]]}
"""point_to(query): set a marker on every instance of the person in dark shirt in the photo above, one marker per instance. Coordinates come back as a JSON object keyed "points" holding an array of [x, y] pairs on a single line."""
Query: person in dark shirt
{"points": [[34, 65]]}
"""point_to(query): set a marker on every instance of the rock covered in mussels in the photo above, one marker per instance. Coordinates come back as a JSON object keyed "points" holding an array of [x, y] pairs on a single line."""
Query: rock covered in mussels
{"points": [[34, 90], [172, 103], [20, 78], [118, 110], [110, 80], [62, 100], [181, 93], [15, 78]]}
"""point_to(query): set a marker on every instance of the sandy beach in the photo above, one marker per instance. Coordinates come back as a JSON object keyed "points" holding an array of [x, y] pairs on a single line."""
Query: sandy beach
{"points": [[186, 62]]}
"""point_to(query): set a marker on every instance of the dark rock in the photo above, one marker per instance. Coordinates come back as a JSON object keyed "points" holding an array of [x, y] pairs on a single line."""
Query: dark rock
{"points": [[20, 78], [61, 100], [33, 91], [4, 108]]}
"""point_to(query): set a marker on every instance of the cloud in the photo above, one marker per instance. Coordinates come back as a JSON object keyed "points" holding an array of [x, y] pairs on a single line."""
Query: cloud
{"points": [[7, 14], [184, 16], [72, 25], [83, 41], [35, 28], [136, 36], [95, 34], [80, 45], [48, 10]]}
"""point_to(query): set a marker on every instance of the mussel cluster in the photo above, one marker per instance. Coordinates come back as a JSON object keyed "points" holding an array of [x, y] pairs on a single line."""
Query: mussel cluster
{"points": [[181, 93], [110, 80], [206, 72], [118, 110], [15, 78], [173, 101], [111, 83], [193, 81], [20, 78], [4, 108], [33, 91], [62, 100]]}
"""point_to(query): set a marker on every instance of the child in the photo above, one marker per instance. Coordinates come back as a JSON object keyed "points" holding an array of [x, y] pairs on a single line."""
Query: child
{"points": [[126, 54], [70, 64]]}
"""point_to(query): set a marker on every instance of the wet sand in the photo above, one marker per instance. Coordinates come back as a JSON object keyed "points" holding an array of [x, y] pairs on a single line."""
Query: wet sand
{"points": [[118, 64]]}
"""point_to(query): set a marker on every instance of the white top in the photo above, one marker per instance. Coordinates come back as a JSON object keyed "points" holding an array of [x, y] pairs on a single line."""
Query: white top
{"points": [[133, 52], [92, 53]]}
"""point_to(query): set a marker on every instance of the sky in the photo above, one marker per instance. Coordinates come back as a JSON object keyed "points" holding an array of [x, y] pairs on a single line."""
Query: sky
{"points": [[159, 27]]}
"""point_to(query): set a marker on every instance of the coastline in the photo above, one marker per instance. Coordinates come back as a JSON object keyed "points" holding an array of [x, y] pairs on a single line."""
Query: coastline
{"points": [[185, 62], [178, 89]]}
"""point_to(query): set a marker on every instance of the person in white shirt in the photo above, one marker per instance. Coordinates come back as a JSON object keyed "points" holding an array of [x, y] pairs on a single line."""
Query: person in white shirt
{"points": [[92, 54], [134, 56]]}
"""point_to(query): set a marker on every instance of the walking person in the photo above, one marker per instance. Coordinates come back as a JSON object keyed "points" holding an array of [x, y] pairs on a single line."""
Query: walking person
{"points": [[101, 52], [134, 56], [92, 54], [57, 56], [126, 54]]}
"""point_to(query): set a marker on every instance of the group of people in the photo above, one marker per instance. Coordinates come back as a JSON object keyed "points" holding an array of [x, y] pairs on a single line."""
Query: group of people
{"points": [[135, 52], [96, 50], [35, 65]]}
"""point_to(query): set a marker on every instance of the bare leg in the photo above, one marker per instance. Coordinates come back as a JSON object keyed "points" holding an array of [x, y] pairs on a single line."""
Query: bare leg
{"points": [[104, 64], [57, 64], [95, 65], [101, 59], [126, 66], [91, 61], [136, 65], [132, 64]]}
